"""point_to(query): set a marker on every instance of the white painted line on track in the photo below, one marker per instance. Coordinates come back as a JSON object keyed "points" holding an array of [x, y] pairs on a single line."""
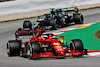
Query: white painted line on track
{"points": [[94, 54]]}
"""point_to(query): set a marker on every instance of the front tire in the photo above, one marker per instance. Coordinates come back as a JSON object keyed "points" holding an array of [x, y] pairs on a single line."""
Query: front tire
{"points": [[33, 48], [29, 52], [76, 45]]}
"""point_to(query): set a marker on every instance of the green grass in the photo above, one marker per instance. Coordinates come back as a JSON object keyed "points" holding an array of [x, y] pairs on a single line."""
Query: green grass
{"points": [[86, 35], [97, 35]]}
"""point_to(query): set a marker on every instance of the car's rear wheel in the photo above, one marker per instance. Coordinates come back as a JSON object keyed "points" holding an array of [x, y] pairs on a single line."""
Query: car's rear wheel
{"points": [[27, 24], [13, 48], [78, 18], [53, 24]]}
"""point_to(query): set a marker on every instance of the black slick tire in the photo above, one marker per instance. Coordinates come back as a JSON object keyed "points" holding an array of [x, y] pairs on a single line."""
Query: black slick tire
{"points": [[27, 24], [78, 18], [76, 45], [33, 47], [13, 48]]}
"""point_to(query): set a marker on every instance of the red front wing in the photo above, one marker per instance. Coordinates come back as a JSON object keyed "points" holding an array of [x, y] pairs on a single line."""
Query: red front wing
{"points": [[51, 55], [60, 51]]}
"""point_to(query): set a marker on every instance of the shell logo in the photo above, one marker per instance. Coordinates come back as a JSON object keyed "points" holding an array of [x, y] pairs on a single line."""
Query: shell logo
{"points": [[61, 40], [58, 46]]}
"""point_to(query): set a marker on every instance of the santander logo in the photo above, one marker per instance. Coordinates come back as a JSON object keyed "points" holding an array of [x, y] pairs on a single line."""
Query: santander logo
{"points": [[56, 43]]}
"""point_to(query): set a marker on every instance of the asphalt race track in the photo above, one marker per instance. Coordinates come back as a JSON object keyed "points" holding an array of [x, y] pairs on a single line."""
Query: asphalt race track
{"points": [[7, 33]]}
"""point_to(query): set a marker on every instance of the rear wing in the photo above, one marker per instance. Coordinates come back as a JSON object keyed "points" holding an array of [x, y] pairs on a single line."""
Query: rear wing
{"points": [[28, 32], [67, 9]]}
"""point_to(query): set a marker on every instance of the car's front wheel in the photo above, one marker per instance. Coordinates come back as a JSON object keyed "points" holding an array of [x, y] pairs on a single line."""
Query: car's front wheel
{"points": [[33, 50], [76, 45]]}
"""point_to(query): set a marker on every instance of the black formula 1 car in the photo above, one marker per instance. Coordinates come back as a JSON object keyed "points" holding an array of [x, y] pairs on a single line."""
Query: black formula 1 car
{"points": [[61, 17], [58, 18], [67, 15]]}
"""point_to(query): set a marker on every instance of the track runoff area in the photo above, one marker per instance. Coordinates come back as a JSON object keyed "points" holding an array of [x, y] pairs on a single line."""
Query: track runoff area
{"points": [[86, 33]]}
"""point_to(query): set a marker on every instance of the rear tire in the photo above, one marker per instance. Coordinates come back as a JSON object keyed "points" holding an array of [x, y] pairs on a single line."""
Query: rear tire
{"points": [[27, 24], [13, 48], [78, 18], [53, 24]]}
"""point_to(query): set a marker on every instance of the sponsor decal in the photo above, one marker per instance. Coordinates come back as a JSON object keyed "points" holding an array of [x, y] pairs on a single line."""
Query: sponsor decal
{"points": [[44, 55], [56, 43], [44, 45], [67, 54], [58, 46], [76, 53]]}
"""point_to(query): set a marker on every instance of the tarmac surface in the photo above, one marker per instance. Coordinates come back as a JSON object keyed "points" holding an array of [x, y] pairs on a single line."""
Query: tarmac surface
{"points": [[7, 33]]}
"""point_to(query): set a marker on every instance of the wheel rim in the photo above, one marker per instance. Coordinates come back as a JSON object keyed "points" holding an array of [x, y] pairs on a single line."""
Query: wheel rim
{"points": [[8, 49], [55, 26], [73, 45], [21, 53], [29, 52], [81, 19]]}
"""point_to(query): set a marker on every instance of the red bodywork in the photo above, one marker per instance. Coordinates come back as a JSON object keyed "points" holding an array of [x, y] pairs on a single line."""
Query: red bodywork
{"points": [[53, 42], [50, 42], [28, 32]]}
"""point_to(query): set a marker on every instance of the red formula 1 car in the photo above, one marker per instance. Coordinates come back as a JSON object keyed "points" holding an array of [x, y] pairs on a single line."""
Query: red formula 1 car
{"points": [[45, 46]]}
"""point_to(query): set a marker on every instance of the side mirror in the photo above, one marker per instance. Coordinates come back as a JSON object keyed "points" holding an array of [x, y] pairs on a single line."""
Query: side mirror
{"points": [[61, 36], [19, 29]]}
